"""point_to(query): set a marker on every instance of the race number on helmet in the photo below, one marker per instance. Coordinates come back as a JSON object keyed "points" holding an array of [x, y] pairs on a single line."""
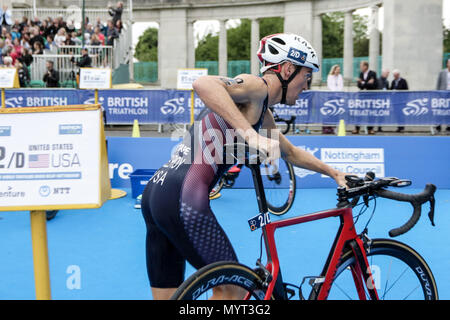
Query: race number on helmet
{"points": [[278, 48]]}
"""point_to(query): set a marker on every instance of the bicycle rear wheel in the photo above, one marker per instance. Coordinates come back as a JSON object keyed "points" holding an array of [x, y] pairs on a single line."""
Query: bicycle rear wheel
{"points": [[398, 272], [200, 285], [279, 187]]}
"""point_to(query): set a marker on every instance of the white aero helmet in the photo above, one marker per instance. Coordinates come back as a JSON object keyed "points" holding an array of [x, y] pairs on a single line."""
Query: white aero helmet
{"points": [[281, 47]]}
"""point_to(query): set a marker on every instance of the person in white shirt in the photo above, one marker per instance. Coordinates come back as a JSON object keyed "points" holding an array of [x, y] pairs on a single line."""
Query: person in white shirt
{"points": [[335, 81], [60, 37]]}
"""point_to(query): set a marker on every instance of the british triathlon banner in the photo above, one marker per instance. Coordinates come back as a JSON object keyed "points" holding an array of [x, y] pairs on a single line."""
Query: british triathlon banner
{"points": [[421, 159], [326, 107], [43, 98]]}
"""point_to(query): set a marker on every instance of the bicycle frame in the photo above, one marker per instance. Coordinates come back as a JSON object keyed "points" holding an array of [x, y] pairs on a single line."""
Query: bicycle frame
{"points": [[345, 237]]}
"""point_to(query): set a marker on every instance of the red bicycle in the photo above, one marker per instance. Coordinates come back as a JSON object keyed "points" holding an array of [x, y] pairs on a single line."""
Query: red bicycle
{"points": [[357, 267]]}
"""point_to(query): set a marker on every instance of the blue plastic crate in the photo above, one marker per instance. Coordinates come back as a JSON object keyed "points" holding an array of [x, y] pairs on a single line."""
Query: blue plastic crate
{"points": [[139, 179]]}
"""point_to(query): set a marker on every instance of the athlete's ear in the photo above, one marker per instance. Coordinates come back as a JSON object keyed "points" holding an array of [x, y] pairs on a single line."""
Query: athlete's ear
{"points": [[287, 69]]}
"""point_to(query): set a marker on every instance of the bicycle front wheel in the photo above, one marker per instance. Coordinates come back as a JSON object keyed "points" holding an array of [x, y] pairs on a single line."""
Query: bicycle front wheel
{"points": [[201, 284], [279, 187], [398, 272]]}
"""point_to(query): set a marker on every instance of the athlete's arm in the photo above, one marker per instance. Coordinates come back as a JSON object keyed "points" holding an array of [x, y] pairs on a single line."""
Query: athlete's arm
{"points": [[299, 157], [221, 95]]}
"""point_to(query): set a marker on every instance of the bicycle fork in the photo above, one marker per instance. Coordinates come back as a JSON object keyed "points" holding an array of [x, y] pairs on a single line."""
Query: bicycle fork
{"points": [[362, 275]]}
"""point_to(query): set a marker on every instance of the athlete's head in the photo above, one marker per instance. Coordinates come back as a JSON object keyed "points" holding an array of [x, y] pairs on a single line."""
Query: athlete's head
{"points": [[292, 59]]}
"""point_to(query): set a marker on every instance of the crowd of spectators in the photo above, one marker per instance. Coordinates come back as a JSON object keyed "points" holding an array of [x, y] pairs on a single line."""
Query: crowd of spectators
{"points": [[21, 39]]}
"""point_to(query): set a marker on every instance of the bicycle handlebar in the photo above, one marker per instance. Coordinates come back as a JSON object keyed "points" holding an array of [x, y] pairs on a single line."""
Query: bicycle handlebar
{"points": [[366, 188], [416, 201]]}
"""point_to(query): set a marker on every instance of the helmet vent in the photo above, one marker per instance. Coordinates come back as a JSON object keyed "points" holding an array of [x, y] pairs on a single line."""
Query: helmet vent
{"points": [[273, 50], [278, 40]]}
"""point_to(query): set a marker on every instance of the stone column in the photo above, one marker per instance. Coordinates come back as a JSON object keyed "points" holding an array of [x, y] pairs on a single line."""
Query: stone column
{"points": [[374, 41], [254, 45], [172, 45], [223, 51], [348, 47], [413, 41], [298, 16], [190, 44], [317, 44]]}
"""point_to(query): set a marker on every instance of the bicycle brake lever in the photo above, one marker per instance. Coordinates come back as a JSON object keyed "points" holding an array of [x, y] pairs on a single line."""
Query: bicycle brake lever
{"points": [[431, 213]]}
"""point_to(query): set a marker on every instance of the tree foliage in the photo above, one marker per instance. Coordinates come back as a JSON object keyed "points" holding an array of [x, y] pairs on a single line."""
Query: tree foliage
{"points": [[333, 35], [147, 46], [238, 40]]}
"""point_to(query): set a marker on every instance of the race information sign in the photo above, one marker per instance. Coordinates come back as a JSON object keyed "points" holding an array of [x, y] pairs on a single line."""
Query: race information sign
{"points": [[93, 78], [7, 77], [51, 159], [187, 76]]}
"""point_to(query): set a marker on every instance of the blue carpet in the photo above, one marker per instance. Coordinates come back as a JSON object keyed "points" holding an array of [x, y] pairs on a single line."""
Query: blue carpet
{"points": [[106, 245]]}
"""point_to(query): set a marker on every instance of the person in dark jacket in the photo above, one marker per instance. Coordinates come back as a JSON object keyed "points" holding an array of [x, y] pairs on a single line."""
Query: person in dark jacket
{"points": [[367, 81], [116, 13], [111, 34], [51, 77], [383, 82], [398, 84]]}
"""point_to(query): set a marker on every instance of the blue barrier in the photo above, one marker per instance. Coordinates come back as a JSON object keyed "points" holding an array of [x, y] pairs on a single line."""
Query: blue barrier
{"points": [[173, 106], [421, 159]]}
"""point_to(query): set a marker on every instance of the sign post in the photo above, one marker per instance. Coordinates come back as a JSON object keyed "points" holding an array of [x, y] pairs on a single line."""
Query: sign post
{"points": [[185, 79], [8, 79], [61, 165]]}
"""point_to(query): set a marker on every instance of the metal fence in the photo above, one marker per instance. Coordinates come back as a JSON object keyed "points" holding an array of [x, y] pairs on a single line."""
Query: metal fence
{"points": [[66, 69], [71, 13]]}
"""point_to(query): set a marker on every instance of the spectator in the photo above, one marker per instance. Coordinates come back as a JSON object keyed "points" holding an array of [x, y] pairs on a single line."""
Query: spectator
{"points": [[51, 77], [112, 34], [69, 41], [119, 26], [335, 81], [367, 81], [95, 41], [15, 34], [398, 84], [17, 47], [116, 13], [76, 40], [5, 18], [7, 62], [85, 61], [25, 41], [383, 82], [36, 37], [38, 48], [26, 58], [60, 37], [100, 35], [70, 27], [23, 73], [443, 83], [50, 46], [89, 29]]}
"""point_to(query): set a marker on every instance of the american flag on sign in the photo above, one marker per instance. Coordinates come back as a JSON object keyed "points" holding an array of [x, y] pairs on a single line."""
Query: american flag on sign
{"points": [[38, 160]]}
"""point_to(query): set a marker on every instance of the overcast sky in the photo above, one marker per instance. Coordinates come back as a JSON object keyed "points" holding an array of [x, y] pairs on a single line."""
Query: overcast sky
{"points": [[202, 28]]}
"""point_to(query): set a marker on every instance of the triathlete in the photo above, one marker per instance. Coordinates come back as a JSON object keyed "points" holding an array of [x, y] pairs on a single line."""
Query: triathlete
{"points": [[175, 204]]}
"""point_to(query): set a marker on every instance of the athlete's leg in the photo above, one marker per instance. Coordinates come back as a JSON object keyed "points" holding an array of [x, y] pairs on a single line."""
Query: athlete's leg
{"points": [[162, 293]]}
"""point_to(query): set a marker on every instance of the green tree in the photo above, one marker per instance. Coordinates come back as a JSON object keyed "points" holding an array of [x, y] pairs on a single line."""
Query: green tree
{"points": [[333, 35], [147, 46], [446, 40]]}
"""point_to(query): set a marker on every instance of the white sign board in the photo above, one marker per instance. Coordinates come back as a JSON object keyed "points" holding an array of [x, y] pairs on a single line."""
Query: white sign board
{"points": [[50, 158], [7, 76], [93, 78], [187, 76]]}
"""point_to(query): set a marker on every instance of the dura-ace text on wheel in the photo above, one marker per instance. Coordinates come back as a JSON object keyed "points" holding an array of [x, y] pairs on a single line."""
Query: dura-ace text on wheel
{"points": [[199, 285]]}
